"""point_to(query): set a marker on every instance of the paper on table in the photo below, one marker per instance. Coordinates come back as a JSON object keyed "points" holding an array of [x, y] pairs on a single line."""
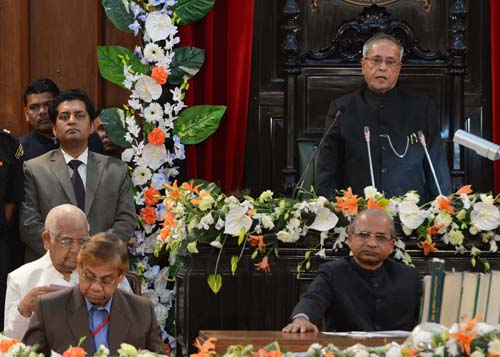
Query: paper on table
{"points": [[373, 334]]}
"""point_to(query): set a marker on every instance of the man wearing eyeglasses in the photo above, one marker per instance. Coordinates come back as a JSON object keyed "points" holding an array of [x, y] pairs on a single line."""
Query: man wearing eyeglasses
{"points": [[96, 309], [66, 229], [363, 292], [394, 116]]}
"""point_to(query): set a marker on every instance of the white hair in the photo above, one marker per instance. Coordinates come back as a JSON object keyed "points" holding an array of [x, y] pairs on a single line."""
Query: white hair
{"points": [[382, 36], [63, 213]]}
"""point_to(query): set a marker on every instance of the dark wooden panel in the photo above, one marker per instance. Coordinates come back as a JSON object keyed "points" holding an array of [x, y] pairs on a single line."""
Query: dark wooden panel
{"points": [[14, 68], [63, 40]]}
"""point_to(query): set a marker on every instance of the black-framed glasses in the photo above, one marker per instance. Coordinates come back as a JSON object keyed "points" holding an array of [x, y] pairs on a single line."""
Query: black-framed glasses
{"points": [[67, 242], [106, 282], [377, 62], [379, 237]]}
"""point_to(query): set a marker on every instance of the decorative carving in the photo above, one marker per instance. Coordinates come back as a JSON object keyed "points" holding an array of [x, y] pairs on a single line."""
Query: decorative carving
{"points": [[348, 43], [290, 46], [369, 2], [427, 5], [314, 5], [457, 48]]}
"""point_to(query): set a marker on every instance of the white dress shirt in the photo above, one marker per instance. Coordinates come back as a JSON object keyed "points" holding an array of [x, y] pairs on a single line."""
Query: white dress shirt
{"points": [[22, 280], [82, 169]]}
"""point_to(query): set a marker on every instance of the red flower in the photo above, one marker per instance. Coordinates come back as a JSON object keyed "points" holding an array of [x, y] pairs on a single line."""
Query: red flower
{"points": [[156, 137], [150, 196], [263, 265], [160, 75], [148, 215], [74, 352]]}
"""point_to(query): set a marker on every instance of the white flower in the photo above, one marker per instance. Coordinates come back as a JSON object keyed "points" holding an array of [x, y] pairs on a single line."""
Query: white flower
{"points": [[465, 200], [216, 244], [153, 52], [286, 237], [370, 192], [154, 155], [134, 103], [494, 347], [412, 196], [191, 247], [266, 196], [153, 113], [424, 337], [361, 353], [267, 222], [443, 219], [477, 354], [493, 246], [159, 26], [456, 237], [394, 350], [220, 224], [473, 230], [236, 219], [325, 220], [141, 176], [410, 215], [485, 216], [407, 231], [487, 198], [147, 89], [127, 155], [102, 351], [206, 221], [176, 94], [321, 253], [452, 347]]}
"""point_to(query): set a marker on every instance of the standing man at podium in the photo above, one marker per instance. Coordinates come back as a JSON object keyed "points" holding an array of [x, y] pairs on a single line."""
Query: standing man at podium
{"points": [[393, 116]]}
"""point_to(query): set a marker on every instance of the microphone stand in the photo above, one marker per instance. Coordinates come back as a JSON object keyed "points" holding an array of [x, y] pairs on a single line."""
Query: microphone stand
{"points": [[315, 153], [421, 138], [367, 138]]}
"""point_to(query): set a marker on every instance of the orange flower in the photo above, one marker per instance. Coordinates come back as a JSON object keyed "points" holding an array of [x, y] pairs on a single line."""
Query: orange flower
{"points": [[274, 353], [329, 354], [156, 137], [189, 186], [427, 247], [432, 231], [148, 215], [445, 204], [374, 204], [263, 265], [261, 353], [74, 352], [348, 204], [465, 335], [150, 196], [202, 195], [6, 344], [164, 232], [160, 75], [257, 241], [408, 352], [169, 220], [251, 212], [466, 189], [205, 350]]}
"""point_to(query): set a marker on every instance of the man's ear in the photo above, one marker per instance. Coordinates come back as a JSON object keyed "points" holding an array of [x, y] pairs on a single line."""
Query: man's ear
{"points": [[26, 116], [46, 239], [54, 130]]}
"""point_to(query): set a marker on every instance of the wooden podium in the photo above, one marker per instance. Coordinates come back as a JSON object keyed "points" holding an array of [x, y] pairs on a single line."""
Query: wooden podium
{"points": [[255, 301]]}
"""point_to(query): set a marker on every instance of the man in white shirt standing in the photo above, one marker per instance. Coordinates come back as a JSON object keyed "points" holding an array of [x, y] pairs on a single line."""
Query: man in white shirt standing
{"points": [[99, 185]]}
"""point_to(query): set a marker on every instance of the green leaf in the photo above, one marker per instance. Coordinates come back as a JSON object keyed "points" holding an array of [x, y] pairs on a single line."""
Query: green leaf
{"points": [[215, 282], [189, 11], [234, 263], [308, 265], [113, 125], [120, 15], [186, 63], [111, 60], [197, 123], [254, 254]]}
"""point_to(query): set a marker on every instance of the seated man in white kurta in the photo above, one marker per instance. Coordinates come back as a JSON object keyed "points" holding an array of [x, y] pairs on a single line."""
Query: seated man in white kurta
{"points": [[66, 228]]}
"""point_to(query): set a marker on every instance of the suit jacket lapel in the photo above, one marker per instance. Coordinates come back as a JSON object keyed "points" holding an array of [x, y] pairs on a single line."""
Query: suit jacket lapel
{"points": [[78, 320], [94, 173], [120, 323], [60, 170]]}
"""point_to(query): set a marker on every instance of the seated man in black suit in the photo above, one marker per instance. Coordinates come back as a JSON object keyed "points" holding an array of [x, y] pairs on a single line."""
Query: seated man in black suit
{"points": [[365, 291], [95, 308]]}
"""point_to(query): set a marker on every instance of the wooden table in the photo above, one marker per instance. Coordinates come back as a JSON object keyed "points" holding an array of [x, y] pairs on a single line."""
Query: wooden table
{"points": [[294, 342]]}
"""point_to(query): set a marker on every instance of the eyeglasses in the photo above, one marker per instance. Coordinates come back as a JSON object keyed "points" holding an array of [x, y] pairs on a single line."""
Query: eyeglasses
{"points": [[67, 242], [377, 62], [92, 279], [379, 237]]}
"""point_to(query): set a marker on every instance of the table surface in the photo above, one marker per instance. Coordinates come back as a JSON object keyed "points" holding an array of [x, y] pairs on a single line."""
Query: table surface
{"points": [[295, 342]]}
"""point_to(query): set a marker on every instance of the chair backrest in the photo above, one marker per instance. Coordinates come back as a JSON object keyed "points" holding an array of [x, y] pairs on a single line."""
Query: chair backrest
{"points": [[135, 282]]}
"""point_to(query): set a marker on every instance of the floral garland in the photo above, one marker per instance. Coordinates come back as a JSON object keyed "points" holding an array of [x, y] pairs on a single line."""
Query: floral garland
{"points": [[201, 214], [466, 338], [154, 125]]}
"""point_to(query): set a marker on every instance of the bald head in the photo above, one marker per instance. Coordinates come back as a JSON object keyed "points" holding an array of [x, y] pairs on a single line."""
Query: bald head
{"points": [[376, 214], [65, 215]]}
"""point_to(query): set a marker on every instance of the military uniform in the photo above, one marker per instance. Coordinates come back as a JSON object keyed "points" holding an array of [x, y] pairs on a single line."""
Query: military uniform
{"points": [[399, 161], [12, 191]]}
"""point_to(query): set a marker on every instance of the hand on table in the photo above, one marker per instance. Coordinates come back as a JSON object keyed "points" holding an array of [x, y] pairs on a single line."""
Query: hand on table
{"points": [[300, 324]]}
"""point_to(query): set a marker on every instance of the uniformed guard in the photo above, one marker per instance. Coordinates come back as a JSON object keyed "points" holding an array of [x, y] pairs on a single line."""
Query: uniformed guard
{"points": [[11, 194]]}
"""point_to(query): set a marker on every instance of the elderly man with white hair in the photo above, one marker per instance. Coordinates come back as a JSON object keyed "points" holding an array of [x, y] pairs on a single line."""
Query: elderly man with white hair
{"points": [[66, 229]]}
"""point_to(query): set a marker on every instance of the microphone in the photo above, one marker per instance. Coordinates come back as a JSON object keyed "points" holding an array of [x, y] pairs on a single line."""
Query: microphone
{"points": [[315, 153], [481, 146], [367, 139], [421, 139]]}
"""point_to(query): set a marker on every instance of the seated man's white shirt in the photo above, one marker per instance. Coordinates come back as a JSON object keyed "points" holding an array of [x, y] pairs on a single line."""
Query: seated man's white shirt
{"points": [[22, 280]]}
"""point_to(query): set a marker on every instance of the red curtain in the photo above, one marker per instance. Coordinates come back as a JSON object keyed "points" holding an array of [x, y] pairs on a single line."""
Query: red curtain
{"points": [[226, 35], [495, 80]]}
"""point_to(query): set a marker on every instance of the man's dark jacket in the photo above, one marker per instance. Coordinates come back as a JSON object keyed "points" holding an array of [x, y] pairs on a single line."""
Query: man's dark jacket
{"points": [[350, 298], [400, 114]]}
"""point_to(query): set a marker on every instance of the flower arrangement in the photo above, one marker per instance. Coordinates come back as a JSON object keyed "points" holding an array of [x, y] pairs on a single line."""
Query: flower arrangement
{"points": [[197, 214], [466, 338], [14, 347], [155, 124]]}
